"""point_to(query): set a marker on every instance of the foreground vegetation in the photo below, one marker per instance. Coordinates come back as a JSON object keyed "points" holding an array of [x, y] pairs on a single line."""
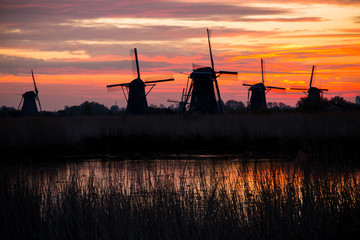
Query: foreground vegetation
{"points": [[279, 202], [331, 134]]}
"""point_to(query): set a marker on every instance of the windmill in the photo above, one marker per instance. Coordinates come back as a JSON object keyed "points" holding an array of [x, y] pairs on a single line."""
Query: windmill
{"points": [[29, 99], [258, 93], [181, 104], [314, 94], [201, 89], [136, 96]]}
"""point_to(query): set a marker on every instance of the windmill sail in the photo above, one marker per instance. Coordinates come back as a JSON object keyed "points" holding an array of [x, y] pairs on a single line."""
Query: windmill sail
{"points": [[214, 76]]}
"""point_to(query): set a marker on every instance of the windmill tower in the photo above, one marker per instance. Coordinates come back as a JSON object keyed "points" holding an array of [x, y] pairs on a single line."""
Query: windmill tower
{"points": [[314, 94], [136, 96], [258, 93], [202, 89], [29, 99]]}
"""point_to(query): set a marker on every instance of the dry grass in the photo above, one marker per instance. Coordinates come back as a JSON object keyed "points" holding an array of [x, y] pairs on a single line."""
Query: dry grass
{"points": [[313, 132]]}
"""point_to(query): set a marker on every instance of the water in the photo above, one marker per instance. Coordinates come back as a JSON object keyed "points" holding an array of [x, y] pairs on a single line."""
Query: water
{"points": [[196, 174], [186, 197]]}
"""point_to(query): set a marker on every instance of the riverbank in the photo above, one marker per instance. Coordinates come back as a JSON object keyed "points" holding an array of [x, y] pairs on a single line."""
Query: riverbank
{"points": [[333, 134]]}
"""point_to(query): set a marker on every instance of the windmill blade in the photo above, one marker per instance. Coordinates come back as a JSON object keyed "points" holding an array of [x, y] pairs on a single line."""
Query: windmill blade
{"points": [[115, 89], [262, 72], [38, 100], [182, 95], [184, 73], [173, 101], [205, 73], [118, 85], [302, 89], [32, 73], [211, 57], [213, 72], [312, 74], [271, 87], [228, 77], [228, 72], [22, 99], [137, 63], [163, 80], [187, 86], [188, 93], [248, 85], [197, 66], [218, 93], [323, 89]]}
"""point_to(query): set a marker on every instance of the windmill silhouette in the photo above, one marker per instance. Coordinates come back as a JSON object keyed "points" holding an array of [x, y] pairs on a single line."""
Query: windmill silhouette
{"points": [[314, 94], [258, 93], [201, 89], [136, 96], [29, 99]]}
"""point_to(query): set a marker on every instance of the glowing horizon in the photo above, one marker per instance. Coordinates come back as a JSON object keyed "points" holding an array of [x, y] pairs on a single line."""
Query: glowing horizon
{"points": [[77, 48]]}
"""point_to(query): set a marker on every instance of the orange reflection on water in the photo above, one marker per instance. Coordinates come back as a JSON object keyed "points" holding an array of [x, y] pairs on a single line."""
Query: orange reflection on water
{"points": [[247, 183]]}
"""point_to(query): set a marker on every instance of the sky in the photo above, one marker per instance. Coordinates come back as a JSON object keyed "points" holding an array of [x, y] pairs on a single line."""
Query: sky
{"points": [[76, 48]]}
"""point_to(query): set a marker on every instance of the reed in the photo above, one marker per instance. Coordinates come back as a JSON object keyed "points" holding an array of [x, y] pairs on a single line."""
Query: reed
{"points": [[320, 204], [323, 132]]}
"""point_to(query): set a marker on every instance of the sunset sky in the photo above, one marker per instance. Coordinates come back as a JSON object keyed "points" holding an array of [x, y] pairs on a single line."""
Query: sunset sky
{"points": [[76, 48]]}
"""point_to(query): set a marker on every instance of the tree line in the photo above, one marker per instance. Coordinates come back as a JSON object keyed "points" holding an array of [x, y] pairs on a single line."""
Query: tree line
{"points": [[231, 106]]}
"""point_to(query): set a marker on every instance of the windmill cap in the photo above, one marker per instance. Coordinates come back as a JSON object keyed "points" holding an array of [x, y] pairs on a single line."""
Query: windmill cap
{"points": [[204, 72], [29, 94]]}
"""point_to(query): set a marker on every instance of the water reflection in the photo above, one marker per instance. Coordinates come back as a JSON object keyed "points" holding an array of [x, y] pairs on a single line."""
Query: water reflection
{"points": [[244, 180]]}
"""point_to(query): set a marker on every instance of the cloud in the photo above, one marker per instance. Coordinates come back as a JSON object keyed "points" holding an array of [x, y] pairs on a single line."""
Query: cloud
{"points": [[14, 65], [38, 10], [334, 2], [356, 19], [151, 40]]}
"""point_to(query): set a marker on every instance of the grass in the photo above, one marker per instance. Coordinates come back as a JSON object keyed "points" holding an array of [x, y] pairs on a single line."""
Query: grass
{"points": [[323, 132], [200, 201]]}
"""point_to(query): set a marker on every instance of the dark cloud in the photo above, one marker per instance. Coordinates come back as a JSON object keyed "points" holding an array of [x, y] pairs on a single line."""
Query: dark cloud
{"points": [[357, 19], [152, 40], [39, 11], [14, 65], [335, 2]]}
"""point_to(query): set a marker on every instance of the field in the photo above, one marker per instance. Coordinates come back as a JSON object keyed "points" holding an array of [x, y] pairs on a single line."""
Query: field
{"points": [[330, 134]]}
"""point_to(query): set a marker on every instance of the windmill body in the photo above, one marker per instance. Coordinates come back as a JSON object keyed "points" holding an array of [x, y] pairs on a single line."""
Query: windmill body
{"points": [[137, 102], [258, 99], [29, 107], [314, 94], [203, 94]]}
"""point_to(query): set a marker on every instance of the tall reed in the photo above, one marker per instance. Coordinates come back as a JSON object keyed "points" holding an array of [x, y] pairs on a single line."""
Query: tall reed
{"points": [[250, 203]]}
